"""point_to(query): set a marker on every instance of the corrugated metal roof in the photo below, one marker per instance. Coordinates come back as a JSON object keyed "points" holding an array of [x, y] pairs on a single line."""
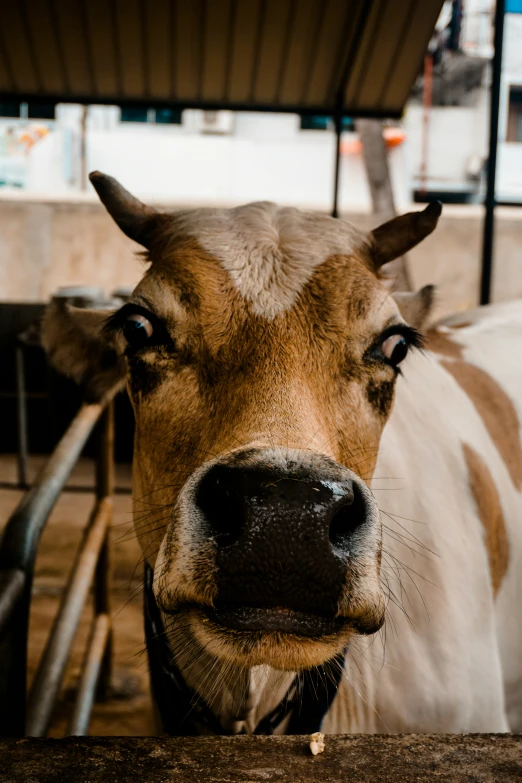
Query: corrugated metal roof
{"points": [[278, 55]]}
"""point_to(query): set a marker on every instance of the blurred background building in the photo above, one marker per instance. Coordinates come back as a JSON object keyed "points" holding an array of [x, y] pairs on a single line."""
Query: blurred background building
{"points": [[55, 233], [223, 157], [52, 223]]}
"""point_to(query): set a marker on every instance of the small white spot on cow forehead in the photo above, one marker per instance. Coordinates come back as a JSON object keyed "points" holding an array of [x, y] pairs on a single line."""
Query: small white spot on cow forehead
{"points": [[270, 252]]}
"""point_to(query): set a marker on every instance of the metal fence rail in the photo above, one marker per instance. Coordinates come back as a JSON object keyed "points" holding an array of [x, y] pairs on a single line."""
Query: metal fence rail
{"points": [[18, 548]]}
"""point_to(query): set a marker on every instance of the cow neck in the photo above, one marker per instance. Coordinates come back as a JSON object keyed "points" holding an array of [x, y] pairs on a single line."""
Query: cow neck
{"points": [[184, 712]]}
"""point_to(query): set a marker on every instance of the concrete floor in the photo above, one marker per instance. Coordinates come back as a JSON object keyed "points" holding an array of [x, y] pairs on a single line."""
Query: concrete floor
{"points": [[128, 712]]}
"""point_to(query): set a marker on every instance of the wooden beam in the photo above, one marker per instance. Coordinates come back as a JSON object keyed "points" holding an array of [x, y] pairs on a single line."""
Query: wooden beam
{"points": [[375, 158], [245, 759]]}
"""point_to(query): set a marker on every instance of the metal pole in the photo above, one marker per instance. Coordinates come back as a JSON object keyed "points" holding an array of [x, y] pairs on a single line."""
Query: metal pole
{"points": [[17, 553], [105, 461], [13, 664], [22, 532], [21, 409], [96, 650], [15, 596], [83, 148], [51, 669], [102, 578], [426, 103], [490, 203], [12, 583], [338, 119]]}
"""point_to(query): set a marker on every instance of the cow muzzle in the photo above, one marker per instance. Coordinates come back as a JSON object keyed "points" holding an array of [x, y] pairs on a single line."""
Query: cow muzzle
{"points": [[294, 536]]}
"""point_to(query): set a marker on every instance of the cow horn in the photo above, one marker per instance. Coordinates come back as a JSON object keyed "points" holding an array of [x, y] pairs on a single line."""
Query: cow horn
{"points": [[400, 234], [135, 219]]}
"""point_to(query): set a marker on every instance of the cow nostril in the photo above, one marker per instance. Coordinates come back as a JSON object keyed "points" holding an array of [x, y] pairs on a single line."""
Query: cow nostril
{"points": [[346, 520], [223, 506]]}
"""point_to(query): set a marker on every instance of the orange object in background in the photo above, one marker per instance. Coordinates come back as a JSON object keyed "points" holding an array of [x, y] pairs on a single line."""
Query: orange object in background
{"points": [[30, 135], [393, 137]]}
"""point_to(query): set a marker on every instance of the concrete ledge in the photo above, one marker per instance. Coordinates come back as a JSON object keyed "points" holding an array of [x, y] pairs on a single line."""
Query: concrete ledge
{"points": [[494, 758], [49, 242]]}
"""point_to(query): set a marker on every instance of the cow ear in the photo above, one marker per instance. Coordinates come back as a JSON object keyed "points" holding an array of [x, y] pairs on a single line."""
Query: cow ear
{"points": [[135, 219], [394, 238], [77, 346], [416, 307]]}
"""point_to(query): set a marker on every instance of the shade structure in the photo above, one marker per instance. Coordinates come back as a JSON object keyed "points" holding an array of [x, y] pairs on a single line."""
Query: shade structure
{"points": [[358, 57]]}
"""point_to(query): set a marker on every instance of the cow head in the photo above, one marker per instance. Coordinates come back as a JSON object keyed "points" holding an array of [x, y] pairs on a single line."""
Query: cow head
{"points": [[261, 352]]}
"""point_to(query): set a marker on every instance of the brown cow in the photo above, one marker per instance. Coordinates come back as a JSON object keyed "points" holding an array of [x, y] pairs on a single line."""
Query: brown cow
{"points": [[262, 353]]}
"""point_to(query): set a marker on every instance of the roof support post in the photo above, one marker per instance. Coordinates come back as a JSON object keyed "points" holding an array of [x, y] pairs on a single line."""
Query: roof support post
{"points": [[375, 158], [338, 120], [490, 201]]}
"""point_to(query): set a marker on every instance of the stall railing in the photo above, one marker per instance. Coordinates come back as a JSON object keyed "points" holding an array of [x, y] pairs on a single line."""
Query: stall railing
{"points": [[30, 714]]}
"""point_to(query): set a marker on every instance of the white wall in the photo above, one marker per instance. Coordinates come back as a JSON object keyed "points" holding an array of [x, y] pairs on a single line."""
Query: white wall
{"points": [[512, 48], [476, 34], [49, 163], [509, 172], [49, 243], [267, 157], [509, 163], [456, 134]]}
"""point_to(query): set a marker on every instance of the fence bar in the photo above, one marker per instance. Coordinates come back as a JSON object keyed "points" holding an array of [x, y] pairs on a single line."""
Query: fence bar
{"points": [[338, 120], [18, 550], [51, 669], [21, 414], [92, 670], [27, 522], [12, 583], [105, 461], [488, 238], [105, 488], [14, 616]]}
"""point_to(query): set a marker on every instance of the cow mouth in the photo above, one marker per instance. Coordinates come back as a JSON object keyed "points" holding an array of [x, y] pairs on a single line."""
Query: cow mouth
{"points": [[274, 620]]}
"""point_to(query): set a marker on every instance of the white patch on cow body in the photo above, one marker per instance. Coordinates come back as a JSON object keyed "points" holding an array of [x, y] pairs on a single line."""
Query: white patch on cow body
{"points": [[452, 655], [270, 252]]}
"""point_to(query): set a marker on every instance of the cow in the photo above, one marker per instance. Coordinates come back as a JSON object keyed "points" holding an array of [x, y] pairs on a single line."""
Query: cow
{"points": [[326, 490]]}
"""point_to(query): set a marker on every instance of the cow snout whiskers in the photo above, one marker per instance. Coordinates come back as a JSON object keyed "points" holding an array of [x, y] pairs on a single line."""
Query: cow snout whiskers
{"points": [[273, 557], [283, 538]]}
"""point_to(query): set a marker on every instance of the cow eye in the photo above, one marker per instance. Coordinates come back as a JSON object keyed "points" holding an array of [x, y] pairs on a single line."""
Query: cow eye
{"points": [[137, 330], [395, 348]]}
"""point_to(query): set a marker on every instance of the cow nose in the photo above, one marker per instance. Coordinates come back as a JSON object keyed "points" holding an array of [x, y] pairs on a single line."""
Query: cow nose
{"points": [[282, 538], [221, 497], [238, 500]]}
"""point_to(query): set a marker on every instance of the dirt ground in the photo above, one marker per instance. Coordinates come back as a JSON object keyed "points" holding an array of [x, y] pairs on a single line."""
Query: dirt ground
{"points": [[128, 711]]}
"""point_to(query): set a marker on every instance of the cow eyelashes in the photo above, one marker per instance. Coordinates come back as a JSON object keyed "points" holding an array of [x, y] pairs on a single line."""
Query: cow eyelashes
{"points": [[393, 345]]}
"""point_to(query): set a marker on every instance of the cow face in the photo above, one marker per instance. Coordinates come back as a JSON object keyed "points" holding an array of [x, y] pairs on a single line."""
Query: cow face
{"points": [[260, 353]]}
